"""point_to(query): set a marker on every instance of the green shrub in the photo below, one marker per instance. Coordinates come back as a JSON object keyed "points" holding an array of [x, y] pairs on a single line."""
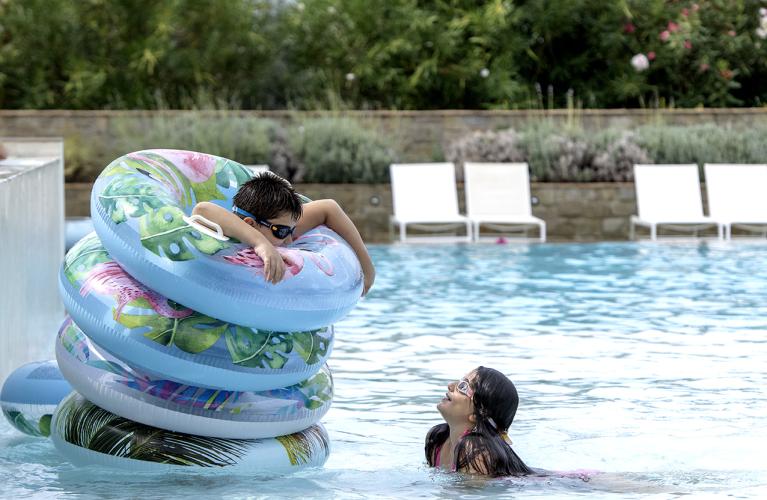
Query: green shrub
{"points": [[706, 143], [616, 153], [338, 150], [571, 155], [485, 146], [247, 140]]}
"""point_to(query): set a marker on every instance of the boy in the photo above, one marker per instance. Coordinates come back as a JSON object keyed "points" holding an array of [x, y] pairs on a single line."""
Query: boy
{"points": [[267, 213]]}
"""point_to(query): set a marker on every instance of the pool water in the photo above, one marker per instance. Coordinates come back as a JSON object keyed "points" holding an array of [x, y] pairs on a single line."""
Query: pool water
{"points": [[645, 361]]}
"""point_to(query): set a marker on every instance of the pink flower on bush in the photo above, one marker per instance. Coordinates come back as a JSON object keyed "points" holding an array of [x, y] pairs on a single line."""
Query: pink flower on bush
{"points": [[732, 33], [664, 35], [704, 67], [651, 55], [687, 44], [629, 28], [673, 27], [685, 12]]}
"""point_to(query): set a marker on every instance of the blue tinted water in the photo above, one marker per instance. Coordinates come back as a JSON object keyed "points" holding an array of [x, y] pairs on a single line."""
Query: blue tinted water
{"points": [[646, 361]]}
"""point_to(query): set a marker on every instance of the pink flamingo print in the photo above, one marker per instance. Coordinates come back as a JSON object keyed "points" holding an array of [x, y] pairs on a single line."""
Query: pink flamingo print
{"points": [[247, 257], [109, 278], [197, 167], [311, 243], [293, 258]]}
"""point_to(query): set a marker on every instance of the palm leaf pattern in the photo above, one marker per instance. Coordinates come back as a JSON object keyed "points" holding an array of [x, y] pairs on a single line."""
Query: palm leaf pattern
{"points": [[165, 233], [84, 424], [313, 392], [81, 258], [302, 446], [21, 423], [131, 197], [156, 188]]}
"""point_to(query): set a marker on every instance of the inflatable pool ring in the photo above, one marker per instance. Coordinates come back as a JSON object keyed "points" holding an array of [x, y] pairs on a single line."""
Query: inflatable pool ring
{"points": [[88, 435], [159, 337], [116, 387], [30, 395], [141, 206]]}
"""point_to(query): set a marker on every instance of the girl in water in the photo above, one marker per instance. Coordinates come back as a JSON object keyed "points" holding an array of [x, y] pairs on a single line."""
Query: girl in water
{"points": [[478, 411]]}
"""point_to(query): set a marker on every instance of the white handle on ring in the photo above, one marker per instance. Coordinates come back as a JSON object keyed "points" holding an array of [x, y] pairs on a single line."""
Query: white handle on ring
{"points": [[204, 226]]}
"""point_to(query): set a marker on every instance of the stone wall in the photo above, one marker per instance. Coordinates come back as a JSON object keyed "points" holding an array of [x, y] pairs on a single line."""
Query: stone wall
{"points": [[421, 135], [572, 211]]}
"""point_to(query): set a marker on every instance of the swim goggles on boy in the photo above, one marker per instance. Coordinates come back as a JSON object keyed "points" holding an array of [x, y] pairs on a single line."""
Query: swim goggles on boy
{"points": [[278, 230]]}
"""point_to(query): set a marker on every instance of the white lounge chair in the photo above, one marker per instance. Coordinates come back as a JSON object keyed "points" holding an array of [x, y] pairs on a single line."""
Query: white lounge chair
{"points": [[737, 195], [498, 196], [669, 195], [425, 197]]}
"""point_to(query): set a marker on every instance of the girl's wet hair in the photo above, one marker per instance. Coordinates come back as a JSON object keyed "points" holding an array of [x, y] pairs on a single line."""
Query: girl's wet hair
{"points": [[267, 195], [484, 449]]}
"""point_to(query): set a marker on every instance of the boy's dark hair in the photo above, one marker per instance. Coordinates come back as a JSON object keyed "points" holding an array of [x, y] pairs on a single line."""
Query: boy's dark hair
{"points": [[268, 195]]}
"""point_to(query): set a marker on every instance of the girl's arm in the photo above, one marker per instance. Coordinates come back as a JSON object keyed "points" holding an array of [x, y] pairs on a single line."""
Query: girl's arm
{"points": [[234, 227], [329, 213]]}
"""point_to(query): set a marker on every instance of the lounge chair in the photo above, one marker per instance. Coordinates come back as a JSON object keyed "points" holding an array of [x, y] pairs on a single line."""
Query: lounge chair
{"points": [[736, 196], [425, 197], [498, 196], [669, 195]]}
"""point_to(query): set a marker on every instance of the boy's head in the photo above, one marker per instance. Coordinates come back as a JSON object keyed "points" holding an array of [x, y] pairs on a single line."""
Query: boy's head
{"points": [[267, 202]]}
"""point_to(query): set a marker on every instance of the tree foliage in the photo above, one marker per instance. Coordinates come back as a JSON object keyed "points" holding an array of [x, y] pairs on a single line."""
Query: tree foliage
{"points": [[406, 54]]}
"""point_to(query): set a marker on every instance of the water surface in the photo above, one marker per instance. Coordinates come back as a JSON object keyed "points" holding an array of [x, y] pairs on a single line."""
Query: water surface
{"points": [[644, 361]]}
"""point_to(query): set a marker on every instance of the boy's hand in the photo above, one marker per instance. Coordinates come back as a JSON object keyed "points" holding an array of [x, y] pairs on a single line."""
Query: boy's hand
{"points": [[274, 267]]}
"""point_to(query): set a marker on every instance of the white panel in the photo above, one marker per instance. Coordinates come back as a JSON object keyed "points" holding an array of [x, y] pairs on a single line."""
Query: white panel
{"points": [[31, 251]]}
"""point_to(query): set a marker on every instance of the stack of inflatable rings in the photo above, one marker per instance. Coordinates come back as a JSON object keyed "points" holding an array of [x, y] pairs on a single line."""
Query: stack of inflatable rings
{"points": [[177, 342]]}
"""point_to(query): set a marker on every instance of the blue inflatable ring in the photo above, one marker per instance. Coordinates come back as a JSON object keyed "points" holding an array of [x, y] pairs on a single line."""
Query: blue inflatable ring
{"points": [[116, 387], [141, 205], [30, 395], [162, 338]]}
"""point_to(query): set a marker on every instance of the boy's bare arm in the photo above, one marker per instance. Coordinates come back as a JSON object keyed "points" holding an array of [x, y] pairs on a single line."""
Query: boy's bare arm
{"points": [[329, 213], [233, 226]]}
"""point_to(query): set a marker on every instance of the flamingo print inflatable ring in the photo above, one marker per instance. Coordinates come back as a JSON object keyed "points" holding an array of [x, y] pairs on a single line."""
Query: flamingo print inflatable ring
{"points": [[141, 205]]}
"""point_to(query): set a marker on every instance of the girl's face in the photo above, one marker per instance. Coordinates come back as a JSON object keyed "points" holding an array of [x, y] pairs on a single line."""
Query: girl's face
{"points": [[456, 407]]}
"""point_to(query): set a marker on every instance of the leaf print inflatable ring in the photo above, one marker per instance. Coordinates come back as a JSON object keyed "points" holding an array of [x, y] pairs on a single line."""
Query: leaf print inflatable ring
{"points": [[30, 394], [160, 337], [140, 206], [119, 388], [88, 435]]}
